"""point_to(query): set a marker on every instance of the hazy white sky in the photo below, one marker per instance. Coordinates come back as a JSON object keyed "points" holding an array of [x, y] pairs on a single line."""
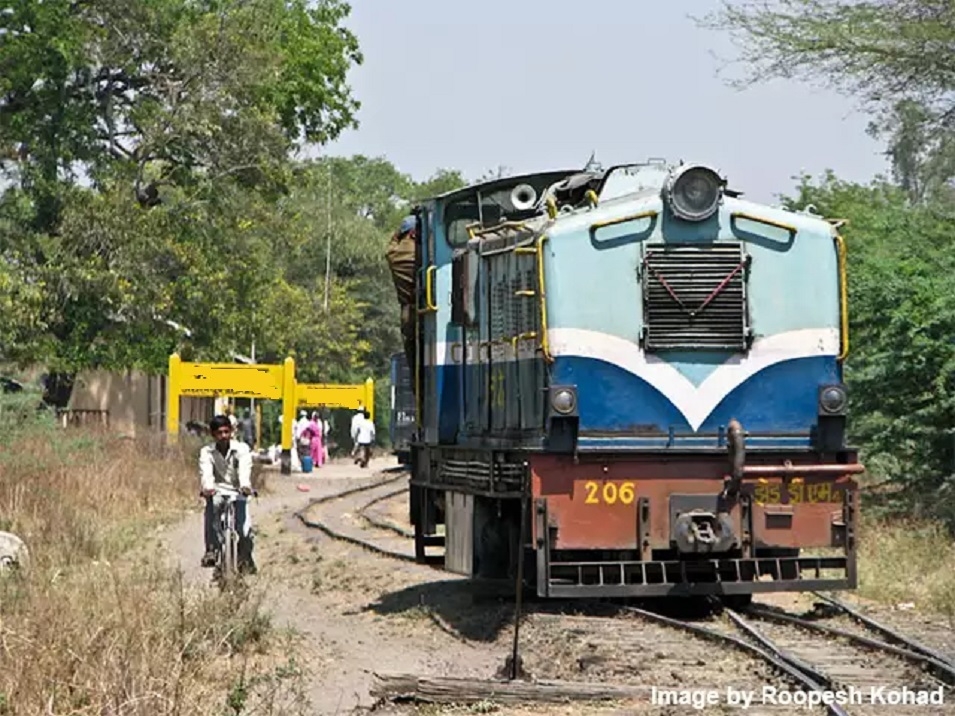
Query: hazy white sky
{"points": [[539, 84]]}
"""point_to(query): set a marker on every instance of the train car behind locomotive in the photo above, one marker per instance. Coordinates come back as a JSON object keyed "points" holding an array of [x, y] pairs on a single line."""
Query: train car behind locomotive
{"points": [[641, 373], [402, 424]]}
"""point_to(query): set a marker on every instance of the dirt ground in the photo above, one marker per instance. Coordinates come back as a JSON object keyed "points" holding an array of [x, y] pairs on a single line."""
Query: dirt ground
{"points": [[361, 613]]}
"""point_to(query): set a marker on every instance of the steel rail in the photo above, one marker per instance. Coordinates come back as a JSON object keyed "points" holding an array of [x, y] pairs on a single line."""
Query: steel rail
{"points": [[887, 632], [942, 669], [775, 657], [383, 524], [341, 536]]}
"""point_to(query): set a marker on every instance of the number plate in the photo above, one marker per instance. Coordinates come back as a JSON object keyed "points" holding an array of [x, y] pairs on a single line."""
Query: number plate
{"points": [[796, 493], [609, 492]]}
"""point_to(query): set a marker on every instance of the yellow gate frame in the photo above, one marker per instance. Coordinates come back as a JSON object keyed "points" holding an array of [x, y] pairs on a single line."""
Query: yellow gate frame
{"points": [[262, 382], [213, 380], [330, 395]]}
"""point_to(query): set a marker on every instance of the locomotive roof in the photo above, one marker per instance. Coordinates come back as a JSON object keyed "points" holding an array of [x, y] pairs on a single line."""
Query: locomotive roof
{"points": [[503, 181]]}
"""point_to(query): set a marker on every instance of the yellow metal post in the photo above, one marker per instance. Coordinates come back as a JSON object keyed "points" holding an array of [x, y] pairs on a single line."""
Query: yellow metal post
{"points": [[288, 414], [370, 397], [172, 400]]}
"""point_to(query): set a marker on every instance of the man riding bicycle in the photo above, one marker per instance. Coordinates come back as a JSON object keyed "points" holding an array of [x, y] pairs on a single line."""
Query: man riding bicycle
{"points": [[225, 469]]}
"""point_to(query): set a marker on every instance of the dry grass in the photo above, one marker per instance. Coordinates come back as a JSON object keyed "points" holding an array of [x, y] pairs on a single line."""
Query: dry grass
{"points": [[908, 562], [99, 624]]}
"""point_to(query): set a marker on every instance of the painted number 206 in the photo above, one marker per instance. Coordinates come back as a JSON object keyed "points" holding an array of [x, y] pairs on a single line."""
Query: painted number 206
{"points": [[610, 493]]}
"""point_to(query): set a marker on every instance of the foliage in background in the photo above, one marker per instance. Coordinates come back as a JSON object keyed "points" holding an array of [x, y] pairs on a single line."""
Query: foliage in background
{"points": [[149, 202], [152, 204], [901, 368], [880, 52]]}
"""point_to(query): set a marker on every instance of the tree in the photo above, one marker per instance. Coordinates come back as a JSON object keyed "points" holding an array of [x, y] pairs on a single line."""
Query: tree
{"points": [[880, 51], [137, 137], [923, 159], [901, 368], [167, 91]]}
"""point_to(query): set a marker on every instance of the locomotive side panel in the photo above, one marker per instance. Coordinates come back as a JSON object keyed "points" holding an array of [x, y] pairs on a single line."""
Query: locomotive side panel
{"points": [[515, 371]]}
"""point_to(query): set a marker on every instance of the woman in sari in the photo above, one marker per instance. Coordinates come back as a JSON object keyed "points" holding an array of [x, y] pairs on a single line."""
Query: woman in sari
{"points": [[317, 431]]}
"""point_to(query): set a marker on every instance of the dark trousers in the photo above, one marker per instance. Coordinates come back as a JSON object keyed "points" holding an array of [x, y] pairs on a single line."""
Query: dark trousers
{"points": [[242, 523]]}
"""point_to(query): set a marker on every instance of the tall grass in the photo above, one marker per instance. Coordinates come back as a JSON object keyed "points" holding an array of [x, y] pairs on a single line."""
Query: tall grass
{"points": [[907, 561], [99, 623]]}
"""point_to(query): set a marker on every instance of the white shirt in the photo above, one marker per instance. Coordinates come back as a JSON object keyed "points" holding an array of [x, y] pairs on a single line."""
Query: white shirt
{"points": [[365, 432], [234, 470], [326, 428], [355, 420]]}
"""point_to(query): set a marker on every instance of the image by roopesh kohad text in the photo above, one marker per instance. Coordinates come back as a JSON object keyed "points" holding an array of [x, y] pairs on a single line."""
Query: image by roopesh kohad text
{"points": [[777, 696]]}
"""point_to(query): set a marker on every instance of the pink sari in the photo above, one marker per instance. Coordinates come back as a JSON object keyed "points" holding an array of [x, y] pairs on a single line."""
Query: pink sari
{"points": [[318, 453]]}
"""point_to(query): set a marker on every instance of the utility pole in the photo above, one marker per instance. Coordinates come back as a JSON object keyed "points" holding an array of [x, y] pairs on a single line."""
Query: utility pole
{"points": [[256, 409], [328, 230]]}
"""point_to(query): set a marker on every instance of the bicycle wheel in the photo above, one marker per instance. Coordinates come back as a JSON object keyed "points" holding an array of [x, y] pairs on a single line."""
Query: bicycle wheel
{"points": [[230, 546]]}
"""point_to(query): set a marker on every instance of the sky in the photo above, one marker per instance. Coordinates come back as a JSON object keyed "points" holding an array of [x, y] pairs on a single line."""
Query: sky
{"points": [[540, 84]]}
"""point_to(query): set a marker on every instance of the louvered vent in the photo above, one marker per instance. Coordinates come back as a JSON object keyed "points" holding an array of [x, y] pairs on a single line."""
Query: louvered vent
{"points": [[694, 297]]}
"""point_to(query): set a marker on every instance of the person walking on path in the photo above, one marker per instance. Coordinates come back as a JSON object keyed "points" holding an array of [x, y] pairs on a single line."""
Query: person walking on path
{"points": [[364, 437], [316, 433], [355, 421]]}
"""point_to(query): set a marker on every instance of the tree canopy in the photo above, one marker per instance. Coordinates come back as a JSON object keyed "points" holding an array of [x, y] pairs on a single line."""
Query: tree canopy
{"points": [[881, 51], [896, 57], [151, 203]]}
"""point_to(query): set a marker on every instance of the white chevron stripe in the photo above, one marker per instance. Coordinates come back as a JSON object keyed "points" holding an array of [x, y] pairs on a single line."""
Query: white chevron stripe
{"points": [[695, 402]]}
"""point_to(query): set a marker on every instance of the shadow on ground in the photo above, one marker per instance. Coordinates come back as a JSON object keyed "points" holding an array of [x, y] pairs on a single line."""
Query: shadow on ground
{"points": [[482, 610]]}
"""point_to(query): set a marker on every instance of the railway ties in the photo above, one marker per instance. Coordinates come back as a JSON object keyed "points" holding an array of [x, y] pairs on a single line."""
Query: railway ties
{"points": [[836, 652], [862, 674]]}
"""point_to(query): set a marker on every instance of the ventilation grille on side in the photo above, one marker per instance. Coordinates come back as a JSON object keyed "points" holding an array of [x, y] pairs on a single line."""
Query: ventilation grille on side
{"points": [[694, 297]]}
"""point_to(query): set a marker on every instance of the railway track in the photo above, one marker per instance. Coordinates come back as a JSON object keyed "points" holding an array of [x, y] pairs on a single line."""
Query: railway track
{"points": [[839, 660], [386, 539], [861, 674]]}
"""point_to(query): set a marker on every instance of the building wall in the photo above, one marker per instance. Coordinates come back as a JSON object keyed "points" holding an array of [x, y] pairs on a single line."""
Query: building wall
{"points": [[135, 401]]}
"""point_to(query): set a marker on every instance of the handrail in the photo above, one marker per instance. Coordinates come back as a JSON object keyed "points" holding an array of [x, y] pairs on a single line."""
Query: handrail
{"points": [[843, 297], [551, 204], [526, 335], [430, 305], [624, 219], [768, 222], [545, 344]]}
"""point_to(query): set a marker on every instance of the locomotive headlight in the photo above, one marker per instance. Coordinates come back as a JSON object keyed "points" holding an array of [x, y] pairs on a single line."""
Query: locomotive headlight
{"points": [[833, 400], [563, 401], [694, 192]]}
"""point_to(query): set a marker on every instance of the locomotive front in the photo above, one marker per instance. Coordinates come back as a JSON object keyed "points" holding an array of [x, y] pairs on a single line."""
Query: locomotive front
{"points": [[694, 438]]}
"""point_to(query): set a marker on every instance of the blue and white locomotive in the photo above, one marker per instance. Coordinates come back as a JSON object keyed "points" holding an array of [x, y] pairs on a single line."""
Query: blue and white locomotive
{"points": [[632, 379]]}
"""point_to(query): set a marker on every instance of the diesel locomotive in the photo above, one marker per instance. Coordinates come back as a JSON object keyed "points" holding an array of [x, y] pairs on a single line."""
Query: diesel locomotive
{"points": [[629, 383]]}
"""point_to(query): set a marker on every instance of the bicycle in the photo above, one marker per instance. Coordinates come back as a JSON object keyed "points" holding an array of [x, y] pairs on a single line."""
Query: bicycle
{"points": [[227, 552]]}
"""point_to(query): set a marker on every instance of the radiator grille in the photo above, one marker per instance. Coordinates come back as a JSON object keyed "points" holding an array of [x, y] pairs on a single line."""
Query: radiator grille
{"points": [[695, 297]]}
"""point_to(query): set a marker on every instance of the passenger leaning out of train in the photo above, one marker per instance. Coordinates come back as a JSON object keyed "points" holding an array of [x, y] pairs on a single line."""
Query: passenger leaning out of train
{"points": [[402, 255], [225, 469]]}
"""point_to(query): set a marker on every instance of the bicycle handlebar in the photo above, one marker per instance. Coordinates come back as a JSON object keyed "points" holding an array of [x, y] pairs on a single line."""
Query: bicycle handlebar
{"points": [[229, 493]]}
